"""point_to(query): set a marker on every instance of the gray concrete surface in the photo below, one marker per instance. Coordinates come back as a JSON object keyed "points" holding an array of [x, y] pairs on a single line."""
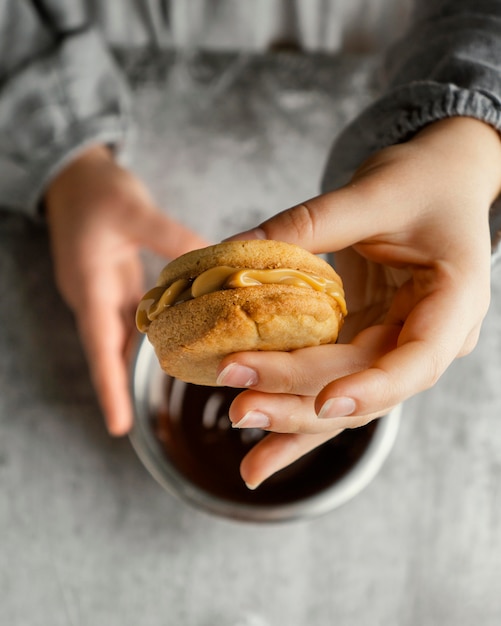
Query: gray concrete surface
{"points": [[87, 538]]}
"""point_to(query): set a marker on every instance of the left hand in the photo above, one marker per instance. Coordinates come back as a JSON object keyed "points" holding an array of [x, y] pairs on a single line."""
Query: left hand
{"points": [[412, 245], [100, 215]]}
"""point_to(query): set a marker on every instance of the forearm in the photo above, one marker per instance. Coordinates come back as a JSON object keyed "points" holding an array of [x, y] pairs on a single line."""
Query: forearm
{"points": [[60, 91]]}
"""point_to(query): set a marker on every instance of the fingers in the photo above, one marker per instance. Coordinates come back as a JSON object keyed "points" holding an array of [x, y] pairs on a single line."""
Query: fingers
{"points": [[282, 398], [384, 366], [435, 333], [166, 236], [277, 451], [104, 337], [280, 413], [288, 413], [303, 372], [151, 226], [306, 371]]}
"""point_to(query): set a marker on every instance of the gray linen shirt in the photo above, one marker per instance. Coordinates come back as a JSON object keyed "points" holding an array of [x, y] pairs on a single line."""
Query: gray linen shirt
{"points": [[60, 89]]}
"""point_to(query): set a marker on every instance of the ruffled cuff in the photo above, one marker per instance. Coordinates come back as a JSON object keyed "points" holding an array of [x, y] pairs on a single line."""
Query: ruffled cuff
{"points": [[397, 116]]}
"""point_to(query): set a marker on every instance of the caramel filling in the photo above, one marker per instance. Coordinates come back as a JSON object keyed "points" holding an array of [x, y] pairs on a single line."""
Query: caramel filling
{"points": [[224, 277]]}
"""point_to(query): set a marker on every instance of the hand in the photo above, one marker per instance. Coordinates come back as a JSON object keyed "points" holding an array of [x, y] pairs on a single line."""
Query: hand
{"points": [[412, 245], [100, 216]]}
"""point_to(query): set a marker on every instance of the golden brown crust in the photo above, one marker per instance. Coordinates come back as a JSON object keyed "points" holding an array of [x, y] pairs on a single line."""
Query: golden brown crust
{"points": [[191, 338]]}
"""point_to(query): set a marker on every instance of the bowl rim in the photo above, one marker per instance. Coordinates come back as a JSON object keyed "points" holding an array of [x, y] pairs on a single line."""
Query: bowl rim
{"points": [[175, 483]]}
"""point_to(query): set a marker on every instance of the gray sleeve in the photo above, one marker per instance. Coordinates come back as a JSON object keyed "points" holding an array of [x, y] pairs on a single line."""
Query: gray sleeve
{"points": [[448, 64], [60, 91]]}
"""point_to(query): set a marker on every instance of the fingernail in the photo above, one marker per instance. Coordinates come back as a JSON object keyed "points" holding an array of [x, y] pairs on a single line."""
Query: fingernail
{"points": [[337, 407], [253, 419], [235, 375], [251, 487]]}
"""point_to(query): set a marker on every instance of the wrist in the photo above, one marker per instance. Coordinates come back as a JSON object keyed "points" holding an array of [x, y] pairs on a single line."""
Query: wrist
{"points": [[471, 143], [91, 157]]}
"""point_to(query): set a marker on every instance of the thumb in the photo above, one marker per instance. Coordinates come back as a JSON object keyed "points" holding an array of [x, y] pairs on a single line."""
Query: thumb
{"points": [[373, 203], [328, 222]]}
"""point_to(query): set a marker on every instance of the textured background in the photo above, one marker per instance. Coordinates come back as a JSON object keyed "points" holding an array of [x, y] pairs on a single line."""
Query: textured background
{"points": [[87, 538]]}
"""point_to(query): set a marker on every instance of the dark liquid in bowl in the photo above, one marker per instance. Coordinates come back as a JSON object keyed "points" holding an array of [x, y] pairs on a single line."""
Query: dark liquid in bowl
{"points": [[195, 434]]}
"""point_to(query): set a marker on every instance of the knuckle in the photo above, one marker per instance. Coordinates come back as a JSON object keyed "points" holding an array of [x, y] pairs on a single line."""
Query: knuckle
{"points": [[300, 220], [435, 371], [385, 385], [288, 377], [295, 424]]}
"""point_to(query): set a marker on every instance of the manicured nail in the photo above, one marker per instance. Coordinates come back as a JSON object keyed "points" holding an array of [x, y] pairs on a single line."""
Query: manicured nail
{"points": [[235, 375], [337, 407], [253, 419]]}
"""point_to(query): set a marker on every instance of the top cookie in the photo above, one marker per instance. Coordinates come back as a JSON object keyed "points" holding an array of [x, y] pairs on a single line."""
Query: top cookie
{"points": [[253, 254]]}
